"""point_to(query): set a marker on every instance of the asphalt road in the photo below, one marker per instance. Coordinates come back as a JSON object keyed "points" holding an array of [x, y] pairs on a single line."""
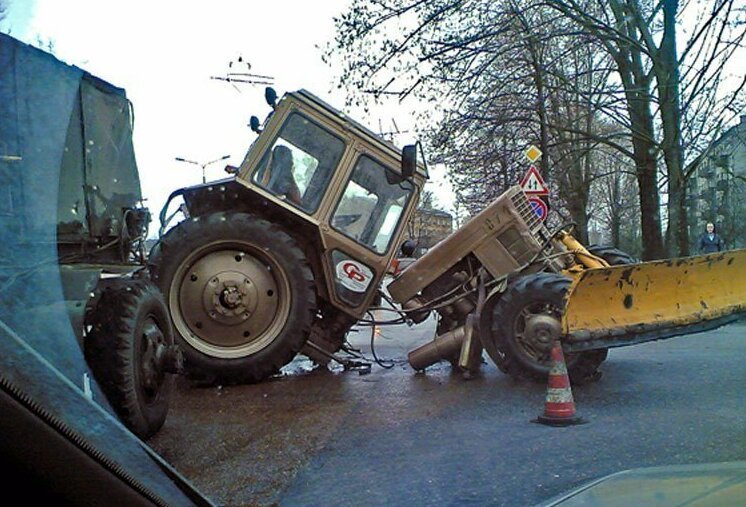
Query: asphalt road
{"points": [[396, 437]]}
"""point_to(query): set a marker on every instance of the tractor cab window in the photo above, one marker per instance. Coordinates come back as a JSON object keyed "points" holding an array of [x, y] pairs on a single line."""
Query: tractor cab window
{"points": [[372, 205], [300, 162]]}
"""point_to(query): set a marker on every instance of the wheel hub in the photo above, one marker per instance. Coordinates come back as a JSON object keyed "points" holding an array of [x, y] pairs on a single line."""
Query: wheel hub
{"points": [[231, 302], [230, 297], [542, 331], [154, 349]]}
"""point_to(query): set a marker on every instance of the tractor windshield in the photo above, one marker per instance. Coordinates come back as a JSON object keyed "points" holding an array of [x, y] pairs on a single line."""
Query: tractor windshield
{"points": [[300, 163], [372, 205]]}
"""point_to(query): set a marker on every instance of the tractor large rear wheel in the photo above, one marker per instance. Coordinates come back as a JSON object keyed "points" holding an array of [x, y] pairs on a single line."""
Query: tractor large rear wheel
{"points": [[523, 324], [240, 293]]}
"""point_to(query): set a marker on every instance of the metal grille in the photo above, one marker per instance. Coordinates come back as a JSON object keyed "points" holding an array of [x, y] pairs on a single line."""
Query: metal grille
{"points": [[524, 208]]}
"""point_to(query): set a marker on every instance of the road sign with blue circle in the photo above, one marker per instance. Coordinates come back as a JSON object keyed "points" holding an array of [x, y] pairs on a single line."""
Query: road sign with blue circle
{"points": [[539, 206]]}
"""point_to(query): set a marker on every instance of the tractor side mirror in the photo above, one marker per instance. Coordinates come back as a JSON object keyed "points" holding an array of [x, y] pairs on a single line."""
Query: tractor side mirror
{"points": [[270, 95], [408, 161], [408, 248], [254, 124]]}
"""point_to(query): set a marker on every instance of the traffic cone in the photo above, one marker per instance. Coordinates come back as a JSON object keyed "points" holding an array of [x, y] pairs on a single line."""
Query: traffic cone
{"points": [[559, 409]]}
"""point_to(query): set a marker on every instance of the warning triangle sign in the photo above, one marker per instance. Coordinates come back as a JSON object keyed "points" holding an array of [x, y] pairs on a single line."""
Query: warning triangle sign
{"points": [[533, 183]]}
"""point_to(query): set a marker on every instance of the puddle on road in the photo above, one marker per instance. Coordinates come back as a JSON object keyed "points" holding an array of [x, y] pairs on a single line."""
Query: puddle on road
{"points": [[393, 339], [301, 365], [298, 366]]}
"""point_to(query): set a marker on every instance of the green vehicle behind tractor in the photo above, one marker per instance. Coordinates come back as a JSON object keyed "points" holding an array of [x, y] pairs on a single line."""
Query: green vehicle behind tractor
{"points": [[66, 147]]}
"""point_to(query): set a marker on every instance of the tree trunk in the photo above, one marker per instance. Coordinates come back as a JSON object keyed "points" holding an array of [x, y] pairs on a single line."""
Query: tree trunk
{"points": [[650, 219], [615, 215], [637, 92], [647, 179], [667, 75], [577, 209]]}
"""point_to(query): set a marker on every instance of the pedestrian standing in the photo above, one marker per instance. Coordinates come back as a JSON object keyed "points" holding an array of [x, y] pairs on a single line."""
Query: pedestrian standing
{"points": [[710, 241]]}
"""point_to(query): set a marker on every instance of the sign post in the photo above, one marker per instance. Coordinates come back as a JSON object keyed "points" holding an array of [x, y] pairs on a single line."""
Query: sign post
{"points": [[534, 185]]}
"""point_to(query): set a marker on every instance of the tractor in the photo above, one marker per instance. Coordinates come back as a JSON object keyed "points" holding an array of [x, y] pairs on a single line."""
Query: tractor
{"points": [[286, 254]]}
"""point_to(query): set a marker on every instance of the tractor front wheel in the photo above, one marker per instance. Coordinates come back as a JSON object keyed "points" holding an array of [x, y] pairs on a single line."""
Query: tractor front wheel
{"points": [[613, 256], [523, 325]]}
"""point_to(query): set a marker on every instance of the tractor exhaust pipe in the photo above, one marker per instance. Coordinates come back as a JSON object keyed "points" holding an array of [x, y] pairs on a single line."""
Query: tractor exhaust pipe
{"points": [[443, 346]]}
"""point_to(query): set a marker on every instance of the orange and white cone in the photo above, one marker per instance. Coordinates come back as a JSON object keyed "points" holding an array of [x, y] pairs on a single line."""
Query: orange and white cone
{"points": [[559, 409]]}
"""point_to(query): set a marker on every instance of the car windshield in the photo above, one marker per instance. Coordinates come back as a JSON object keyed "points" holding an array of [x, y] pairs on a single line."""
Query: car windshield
{"points": [[556, 295]]}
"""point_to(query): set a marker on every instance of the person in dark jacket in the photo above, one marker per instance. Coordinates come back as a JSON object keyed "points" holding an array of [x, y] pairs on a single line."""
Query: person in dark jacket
{"points": [[279, 176], [710, 241]]}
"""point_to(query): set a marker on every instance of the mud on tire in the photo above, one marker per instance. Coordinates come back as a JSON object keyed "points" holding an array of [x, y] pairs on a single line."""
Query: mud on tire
{"points": [[240, 292]]}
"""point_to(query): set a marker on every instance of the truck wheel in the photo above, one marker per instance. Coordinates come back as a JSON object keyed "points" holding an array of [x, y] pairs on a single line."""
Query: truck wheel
{"points": [[127, 347], [240, 293], [525, 321], [613, 256]]}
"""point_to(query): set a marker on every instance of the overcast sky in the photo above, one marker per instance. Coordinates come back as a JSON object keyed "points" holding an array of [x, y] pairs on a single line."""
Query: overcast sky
{"points": [[164, 54]]}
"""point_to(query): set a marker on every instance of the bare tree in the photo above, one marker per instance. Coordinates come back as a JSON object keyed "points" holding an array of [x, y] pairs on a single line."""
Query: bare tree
{"points": [[504, 72], [503, 77], [643, 40], [616, 197], [510, 76]]}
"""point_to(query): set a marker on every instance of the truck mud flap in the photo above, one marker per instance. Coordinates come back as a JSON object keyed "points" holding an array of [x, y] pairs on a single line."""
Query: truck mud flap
{"points": [[623, 305]]}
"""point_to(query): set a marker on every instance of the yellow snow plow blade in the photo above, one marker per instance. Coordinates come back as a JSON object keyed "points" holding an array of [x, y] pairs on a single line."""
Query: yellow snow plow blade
{"points": [[622, 305]]}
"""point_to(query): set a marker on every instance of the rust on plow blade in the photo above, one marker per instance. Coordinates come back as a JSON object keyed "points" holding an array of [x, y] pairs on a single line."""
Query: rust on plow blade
{"points": [[623, 305]]}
